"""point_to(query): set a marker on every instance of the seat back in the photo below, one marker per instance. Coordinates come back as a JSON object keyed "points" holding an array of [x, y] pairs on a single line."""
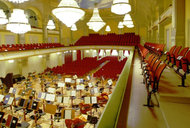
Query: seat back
{"points": [[158, 75], [186, 62], [176, 52], [184, 51], [153, 62], [156, 65], [172, 49]]}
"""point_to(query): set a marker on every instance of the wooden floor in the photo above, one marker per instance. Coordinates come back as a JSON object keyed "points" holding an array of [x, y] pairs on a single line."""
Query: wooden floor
{"points": [[139, 115], [174, 102]]}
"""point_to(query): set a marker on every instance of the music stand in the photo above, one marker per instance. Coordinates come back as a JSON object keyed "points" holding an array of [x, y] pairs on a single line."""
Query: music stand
{"points": [[34, 105], [11, 121], [51, 109]]}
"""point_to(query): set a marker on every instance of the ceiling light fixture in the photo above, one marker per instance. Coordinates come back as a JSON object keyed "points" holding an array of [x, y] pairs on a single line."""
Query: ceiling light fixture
{"points": [[130, 26], [50, 25], [108, 29], [68, 12], [3, 17], [96, 22], [120, 25], [120, 7], [18, 23], [73, 27], [18, 1]]}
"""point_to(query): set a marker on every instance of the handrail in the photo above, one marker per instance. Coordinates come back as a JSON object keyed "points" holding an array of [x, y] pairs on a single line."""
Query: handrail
{"points": [[27, 53], [110, 116]]}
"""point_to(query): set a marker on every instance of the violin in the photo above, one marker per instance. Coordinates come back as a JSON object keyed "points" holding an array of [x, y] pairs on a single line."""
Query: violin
{"points": [[75, 123], [84, 108], [102, 99]]}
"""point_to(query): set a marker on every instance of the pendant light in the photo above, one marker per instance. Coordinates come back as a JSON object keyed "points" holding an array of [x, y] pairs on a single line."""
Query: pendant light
{"points": [[96, 22], [18, 23], [120, 7], [68, 12]]}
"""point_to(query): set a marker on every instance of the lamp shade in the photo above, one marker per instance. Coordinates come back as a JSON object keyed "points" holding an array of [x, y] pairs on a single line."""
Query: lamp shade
{"points": [[74, 27], [18, 23], [128, 23], [50, 25], [68, 12], [120, 7], [96, 21], [130, 26], [108, 29], [127, 17], [120, 25], [3, 18]]}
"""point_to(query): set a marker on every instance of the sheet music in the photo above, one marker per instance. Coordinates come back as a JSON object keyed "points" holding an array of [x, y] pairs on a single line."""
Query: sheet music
{"points": [[10, 100], [68, 114], [88, 77], [94, 100], [11, 90], [77, 81], [59, 99], [1, 98], [90, 85], [43, 95], [75, 77], [61, 84], [80, 87], [87, 100], [66, 100], [110, 81], [73, 93], [68, 80], [50, 97], [51, 90], [95, 90]]}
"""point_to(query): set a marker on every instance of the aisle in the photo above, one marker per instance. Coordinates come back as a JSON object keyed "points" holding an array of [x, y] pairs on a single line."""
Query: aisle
{"points": [[140, 116]]}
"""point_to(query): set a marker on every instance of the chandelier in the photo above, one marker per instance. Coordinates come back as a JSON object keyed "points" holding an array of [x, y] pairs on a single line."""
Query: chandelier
{"points": [[73, 27], [18, 23], [68, 12], [17, 1], [96, 22], [120, 25], [3, 18], [127, 21], [120, 7], [50, 25], [108, 29], [130, 25]]}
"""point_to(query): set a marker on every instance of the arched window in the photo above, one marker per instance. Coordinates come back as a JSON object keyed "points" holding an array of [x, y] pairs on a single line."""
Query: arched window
{"points": [[32, 17]]}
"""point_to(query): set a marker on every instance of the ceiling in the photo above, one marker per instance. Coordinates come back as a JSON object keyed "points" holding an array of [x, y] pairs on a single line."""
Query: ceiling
{"points": [[143, 11]]}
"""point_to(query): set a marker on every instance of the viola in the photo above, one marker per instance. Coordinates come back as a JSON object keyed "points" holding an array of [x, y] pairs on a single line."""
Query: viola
{"points": [[102, 99], [75, 123], [84, 108]]}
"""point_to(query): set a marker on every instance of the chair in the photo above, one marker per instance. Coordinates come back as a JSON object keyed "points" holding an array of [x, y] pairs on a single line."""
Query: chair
{"points": [[185, 62], [152, 85]]}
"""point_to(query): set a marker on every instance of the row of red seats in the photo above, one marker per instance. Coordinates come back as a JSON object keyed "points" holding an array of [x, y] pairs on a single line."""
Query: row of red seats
{"points": [[17, 47], [158, 49], [127, 39], [79, 67], [112, 69], [152, 70], [143, 52], [179, 58]]}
